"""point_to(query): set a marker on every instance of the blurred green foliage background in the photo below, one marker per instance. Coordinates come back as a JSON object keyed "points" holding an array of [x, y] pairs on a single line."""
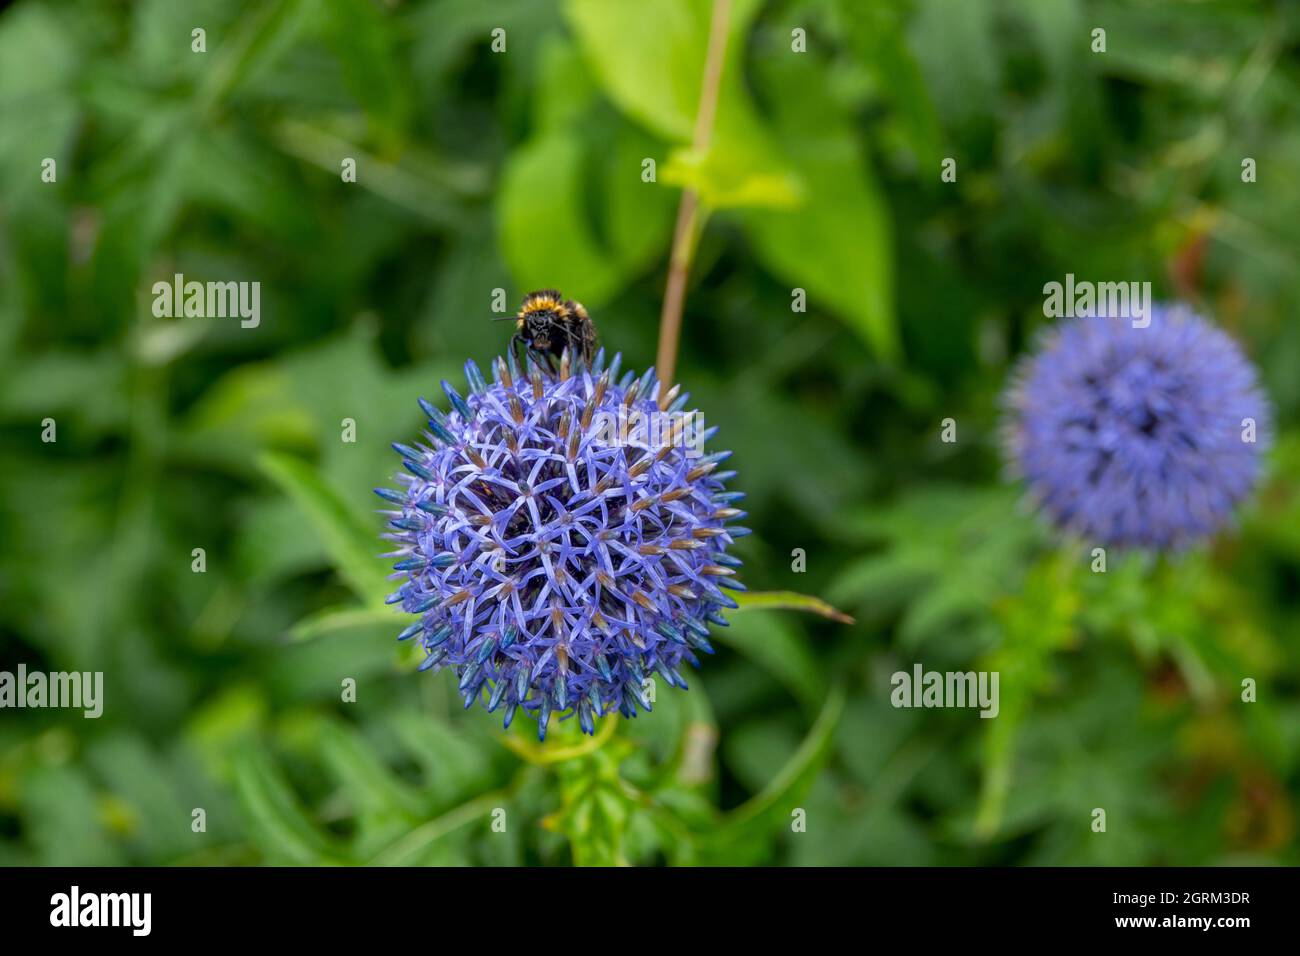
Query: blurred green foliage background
{"points": [[479, 170]]}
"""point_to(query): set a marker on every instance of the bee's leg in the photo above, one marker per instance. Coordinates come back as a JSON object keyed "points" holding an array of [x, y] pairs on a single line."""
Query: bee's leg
{"points": [[523, 352], [540, 359], [582, 346], [545, 357], [573, 342], [515, 341], [565, 347]]}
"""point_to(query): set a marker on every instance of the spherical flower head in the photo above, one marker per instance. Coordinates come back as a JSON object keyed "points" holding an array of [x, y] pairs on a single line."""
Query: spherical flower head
{"points": [[1133, 436], [562, 537]]}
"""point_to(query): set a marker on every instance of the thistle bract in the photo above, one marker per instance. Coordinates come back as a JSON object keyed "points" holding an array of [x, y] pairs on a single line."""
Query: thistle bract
{"points": [[562, 538], [1138, 436]]}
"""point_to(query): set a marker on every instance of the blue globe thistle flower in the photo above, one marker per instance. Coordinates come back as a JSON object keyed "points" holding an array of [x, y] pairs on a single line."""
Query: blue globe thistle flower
{"points": [[1138, 436], [560, 540]]}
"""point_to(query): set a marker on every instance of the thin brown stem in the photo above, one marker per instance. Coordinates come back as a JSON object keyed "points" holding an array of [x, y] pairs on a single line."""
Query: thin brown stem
{"points": [[688, 213]]}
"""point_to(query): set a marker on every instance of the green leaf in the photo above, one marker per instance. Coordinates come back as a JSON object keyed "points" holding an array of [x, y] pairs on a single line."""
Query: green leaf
{"points": [[278, 821], [951, 550], [954, 44], [582, 160], [814, 211], [942, 610], [649, 56], [781, 796], [789, 601], [351, 545], [724, 179], [876, 34], [881, 582], [38, 65], [756, 751], [144, 784], [359, 33], [1036, 625], [333, 619], [596, 808], [771, 644], [58, 807], [367, 780], [416, 846], [650, 60], [423, 184], [454, 765], [545, 239], [253, 44], [566, 90], [836, 243]]}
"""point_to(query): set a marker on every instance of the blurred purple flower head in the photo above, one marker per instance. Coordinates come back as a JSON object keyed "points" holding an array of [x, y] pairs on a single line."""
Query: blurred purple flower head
{"points": [[555, 563], [1138, 437]]}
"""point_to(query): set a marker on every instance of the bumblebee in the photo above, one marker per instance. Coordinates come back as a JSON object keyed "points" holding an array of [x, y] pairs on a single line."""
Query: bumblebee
{"points": [[547, 324]]}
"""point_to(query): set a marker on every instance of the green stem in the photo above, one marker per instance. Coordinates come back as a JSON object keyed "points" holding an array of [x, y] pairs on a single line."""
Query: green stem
{"points": [[690, 215]]}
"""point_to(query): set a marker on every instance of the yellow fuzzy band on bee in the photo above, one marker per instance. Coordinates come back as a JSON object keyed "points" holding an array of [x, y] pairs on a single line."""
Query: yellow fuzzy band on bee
{"points": [[541, 303]]}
